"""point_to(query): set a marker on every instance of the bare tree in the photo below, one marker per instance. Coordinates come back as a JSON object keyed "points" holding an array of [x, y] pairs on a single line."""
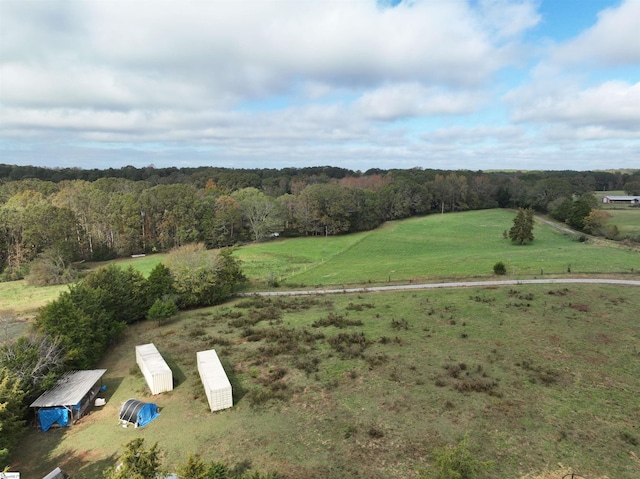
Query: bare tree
{"points": [[35, 360]]}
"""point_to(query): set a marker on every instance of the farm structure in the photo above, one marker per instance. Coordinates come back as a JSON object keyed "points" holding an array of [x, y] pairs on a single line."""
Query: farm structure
{"points": [[215, 381], [68, 399], [138, 413], [621, 200], [154, 369]]}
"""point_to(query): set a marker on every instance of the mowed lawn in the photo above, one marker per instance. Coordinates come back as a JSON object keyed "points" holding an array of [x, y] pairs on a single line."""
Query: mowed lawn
{"points": [[370, 385], [432, 248]]}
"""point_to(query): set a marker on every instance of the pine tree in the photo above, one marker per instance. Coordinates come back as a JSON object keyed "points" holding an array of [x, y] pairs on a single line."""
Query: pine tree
{"points": [[522, 229], [11, 413], [136, 462]]}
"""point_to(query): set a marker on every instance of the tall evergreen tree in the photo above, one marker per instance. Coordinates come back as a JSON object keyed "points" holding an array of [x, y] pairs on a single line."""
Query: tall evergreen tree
{"points": [[137, 462], [11, 413], [522, 229]]}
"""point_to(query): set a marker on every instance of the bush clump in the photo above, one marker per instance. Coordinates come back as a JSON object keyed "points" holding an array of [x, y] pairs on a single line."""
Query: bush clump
{"points": [[500, 268]]}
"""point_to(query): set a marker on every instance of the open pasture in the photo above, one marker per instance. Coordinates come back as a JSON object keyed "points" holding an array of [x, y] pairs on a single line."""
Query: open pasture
{"points": [[627, 220], [433, 247], [368, 386], [22, 299]]}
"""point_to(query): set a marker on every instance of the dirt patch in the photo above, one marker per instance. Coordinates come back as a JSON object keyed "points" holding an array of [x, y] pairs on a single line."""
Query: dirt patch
{"points": [[582, 307], [559, 473], [600, 338]]}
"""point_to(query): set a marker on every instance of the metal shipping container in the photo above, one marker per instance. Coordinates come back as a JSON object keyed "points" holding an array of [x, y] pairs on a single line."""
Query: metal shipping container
{"points": [[154, 368], [214, 379]]}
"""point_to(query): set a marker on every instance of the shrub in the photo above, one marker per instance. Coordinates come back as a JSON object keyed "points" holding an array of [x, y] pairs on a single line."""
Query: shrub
{"points": [[458, 462], [161, 310], [308, 364], [336, 320], [500, 268], [348, 345]]}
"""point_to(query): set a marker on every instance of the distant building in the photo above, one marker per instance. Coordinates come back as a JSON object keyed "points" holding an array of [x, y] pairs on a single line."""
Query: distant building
{"points": [[621, 200]]}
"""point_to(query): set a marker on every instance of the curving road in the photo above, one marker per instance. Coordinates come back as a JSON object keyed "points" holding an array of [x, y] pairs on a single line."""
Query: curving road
{"points": [[461, 284], [558, 226]]}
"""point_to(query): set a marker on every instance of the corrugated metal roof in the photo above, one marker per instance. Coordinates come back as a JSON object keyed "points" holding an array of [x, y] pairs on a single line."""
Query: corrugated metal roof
{"points": [[623, 198], [70, 389]]}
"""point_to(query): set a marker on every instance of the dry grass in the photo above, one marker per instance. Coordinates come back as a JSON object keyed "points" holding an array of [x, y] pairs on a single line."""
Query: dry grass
{"points": [[560, 472]]}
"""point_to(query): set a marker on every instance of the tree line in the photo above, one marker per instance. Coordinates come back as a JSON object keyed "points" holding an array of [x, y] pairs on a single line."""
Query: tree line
{"points": [[50, 218]]}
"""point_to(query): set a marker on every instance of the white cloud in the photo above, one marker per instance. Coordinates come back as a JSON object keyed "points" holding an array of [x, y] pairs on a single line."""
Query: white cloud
{"points": [[613, 40], [137, 53], [476, 135], [292, 83], [610, 105], [403, 100], [508, 18]]}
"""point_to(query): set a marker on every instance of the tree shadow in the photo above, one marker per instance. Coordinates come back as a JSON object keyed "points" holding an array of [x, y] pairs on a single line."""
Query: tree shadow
{"points": [[176, 371], [80, 466], [237, 389], [77, 464], [112, 384]]}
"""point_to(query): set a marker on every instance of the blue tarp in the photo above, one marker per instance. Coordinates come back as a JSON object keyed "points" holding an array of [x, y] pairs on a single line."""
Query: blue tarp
{"points": [[138, 412], [51, 416]]}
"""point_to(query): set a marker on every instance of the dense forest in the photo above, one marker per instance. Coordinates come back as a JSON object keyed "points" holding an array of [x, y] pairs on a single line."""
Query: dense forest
{"points": [[50, 218]]}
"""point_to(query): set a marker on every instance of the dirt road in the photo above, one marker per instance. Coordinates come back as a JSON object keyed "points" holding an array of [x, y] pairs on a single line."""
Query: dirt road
{"points": [[461, 284]]}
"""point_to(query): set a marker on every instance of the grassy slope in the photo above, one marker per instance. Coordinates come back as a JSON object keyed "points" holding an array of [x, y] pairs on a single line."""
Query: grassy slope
{"points": [[433, 247], [558, 366]]}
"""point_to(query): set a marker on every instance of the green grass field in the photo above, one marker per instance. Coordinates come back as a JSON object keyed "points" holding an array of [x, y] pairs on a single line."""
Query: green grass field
{"points": [[19, 297], [537, 375], [432, 248], [627, 221], [419, 249]]}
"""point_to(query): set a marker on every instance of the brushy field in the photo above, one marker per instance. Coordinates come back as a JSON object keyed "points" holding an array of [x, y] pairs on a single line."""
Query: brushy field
{"points": [[370, 385]]}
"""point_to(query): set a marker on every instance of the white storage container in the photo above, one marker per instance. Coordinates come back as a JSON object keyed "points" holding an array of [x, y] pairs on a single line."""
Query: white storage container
{"points": [[214, 379], [154, 369]]}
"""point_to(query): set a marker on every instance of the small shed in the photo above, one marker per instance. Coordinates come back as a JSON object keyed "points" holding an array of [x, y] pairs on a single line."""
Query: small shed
{"points": [[215, 381], [68, 399], [154, 369], [138, 413]]}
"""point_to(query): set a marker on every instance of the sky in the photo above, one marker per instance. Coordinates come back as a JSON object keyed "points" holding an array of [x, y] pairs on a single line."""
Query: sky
{"points": [[358, 84]]}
